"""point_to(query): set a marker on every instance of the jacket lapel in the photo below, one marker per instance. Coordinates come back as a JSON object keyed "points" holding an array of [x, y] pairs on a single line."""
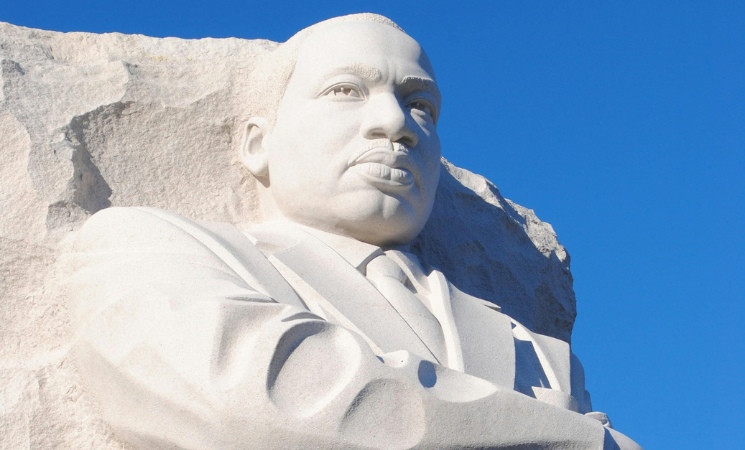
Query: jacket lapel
{"points": [[554, 356], [486, 339], [317, 266]]}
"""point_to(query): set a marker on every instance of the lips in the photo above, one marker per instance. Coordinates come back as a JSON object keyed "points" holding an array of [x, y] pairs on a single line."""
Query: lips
{"points": [[388, 165]]}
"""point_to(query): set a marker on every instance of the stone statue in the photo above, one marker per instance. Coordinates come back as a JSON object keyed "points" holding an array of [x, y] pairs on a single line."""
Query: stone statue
{"points": [[317, 328]]}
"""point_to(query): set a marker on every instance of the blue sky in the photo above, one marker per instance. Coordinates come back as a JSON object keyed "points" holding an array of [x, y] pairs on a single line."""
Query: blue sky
{"points": [[620, 123]]}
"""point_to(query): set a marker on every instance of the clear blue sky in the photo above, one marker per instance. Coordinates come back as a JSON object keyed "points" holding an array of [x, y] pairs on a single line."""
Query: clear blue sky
{"points": [[622, 123]]}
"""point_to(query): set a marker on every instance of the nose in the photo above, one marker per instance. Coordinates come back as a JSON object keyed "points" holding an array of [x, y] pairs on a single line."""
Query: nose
{"points": [[385, 118]]}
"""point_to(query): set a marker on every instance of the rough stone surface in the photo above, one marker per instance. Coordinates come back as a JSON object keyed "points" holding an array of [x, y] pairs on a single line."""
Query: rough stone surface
{"points": [[90, 121]]}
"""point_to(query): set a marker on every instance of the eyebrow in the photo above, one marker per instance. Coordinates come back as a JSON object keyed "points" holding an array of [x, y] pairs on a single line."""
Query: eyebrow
{"points": [[410, 84], [361, 70]]}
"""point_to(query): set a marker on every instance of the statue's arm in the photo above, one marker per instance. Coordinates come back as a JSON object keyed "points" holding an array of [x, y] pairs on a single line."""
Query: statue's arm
{"points": [[179, 350]]}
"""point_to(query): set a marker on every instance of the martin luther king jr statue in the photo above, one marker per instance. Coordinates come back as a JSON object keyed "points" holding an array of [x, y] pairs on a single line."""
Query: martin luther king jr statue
{"points": [[317, 328]]}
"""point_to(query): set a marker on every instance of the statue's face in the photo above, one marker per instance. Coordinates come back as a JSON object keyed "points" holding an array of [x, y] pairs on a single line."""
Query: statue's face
{"points": [[354, 149]]}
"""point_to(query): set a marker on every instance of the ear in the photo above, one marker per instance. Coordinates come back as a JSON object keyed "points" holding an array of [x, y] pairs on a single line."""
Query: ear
{"points": [[253, 150]]}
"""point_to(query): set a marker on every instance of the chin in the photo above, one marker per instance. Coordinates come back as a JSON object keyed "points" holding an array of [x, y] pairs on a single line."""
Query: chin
{"points": [[383, 234], [385, 229], [381, 220]]}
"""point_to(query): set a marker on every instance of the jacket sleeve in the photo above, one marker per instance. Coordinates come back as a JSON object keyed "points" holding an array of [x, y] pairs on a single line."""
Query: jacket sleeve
{"points": [[179, 349]]}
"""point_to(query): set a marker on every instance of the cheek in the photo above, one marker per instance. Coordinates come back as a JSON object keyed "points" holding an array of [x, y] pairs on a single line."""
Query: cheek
{"points": [[431, 174], [431, 154], [332, 120]]}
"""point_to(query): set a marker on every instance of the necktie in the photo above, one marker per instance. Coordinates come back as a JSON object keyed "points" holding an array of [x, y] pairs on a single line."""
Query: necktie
{"points": [[390, 280]]}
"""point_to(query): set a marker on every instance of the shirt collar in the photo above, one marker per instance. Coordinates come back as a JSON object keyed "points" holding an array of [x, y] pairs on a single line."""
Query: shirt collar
{"points": [[274, 234], [356, 253]]}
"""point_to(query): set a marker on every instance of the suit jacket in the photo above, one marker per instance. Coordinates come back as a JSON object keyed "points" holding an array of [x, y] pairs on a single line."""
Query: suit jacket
{"points": [[197, 335]]}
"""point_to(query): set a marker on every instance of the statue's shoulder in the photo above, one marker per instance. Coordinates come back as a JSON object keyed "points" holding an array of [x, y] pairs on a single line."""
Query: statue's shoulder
{"points": [[118, 218], [150, 230]]}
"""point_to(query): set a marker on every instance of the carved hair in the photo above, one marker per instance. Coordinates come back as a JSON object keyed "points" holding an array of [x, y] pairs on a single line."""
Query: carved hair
{"points": [[269, 80]]}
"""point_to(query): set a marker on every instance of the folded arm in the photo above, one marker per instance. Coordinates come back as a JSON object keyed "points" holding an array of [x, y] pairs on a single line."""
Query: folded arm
{"points": [[179, 349]]}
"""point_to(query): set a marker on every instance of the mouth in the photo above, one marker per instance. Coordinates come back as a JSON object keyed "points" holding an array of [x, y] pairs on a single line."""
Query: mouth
{"points": [[386, 164]]}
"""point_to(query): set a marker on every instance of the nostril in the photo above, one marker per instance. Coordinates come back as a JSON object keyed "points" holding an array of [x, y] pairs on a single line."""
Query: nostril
{"points": [[376, 134], [406, 136], [407, 141], [386, 118]]}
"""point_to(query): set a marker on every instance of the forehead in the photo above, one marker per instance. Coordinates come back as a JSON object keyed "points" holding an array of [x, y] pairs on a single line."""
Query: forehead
{"points": [[361, 43]]}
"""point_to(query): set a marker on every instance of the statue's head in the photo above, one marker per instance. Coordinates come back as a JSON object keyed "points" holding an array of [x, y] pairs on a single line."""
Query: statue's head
{"points": [[352, 145]]}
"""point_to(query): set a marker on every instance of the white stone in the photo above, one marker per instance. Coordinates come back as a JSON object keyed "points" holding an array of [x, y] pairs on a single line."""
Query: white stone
{"points": [[171, 322]]}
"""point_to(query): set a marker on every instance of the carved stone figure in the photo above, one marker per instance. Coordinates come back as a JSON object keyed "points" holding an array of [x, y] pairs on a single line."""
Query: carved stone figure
{"points": [[318, 327]]}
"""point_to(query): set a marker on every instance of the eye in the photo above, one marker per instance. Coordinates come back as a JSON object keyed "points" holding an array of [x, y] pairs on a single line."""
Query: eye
{"points": [[423, 107], [344, 91]]}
